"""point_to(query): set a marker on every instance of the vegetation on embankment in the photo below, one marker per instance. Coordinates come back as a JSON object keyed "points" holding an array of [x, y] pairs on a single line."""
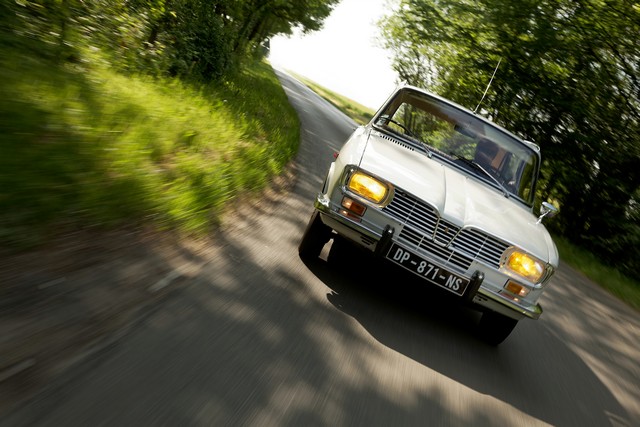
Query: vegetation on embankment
{"points": [[139, 112], [84, 145], [358, 112], [609, 278]]}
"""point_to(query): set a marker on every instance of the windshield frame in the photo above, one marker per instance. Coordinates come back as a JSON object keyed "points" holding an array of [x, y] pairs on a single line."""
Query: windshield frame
{"points": [[523, 157]]}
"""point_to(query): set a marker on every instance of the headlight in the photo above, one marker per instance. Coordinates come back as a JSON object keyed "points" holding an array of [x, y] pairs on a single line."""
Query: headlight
{"points": [[524, 265], [368, 187]]}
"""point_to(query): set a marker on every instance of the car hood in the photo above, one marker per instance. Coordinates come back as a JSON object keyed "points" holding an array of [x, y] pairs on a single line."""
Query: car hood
{"points": [[458, 196]]}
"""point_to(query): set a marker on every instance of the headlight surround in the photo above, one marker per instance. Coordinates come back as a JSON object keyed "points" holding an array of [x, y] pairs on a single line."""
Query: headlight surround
{"points": [[523, 265], [368, 187]]}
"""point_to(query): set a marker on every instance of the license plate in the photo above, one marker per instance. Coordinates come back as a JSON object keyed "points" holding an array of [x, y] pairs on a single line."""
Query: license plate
{"points": [[427, 270]]}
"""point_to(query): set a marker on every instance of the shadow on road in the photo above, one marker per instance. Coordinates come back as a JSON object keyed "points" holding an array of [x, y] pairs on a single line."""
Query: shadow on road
{"points": [[428, 326]]}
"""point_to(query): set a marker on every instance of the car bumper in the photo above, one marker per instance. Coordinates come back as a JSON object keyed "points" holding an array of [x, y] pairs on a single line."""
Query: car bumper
{"points": [[378, 240]]}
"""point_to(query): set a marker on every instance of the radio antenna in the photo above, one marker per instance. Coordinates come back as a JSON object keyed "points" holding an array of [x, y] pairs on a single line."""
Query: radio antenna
{"points": [[488, 85]]}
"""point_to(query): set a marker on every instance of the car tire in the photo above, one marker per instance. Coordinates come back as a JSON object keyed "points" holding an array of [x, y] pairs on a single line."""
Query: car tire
{"points": [[494, 328], [315, 236]]}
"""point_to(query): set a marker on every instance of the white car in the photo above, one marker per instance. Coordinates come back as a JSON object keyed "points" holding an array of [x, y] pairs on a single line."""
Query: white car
{"points": [[449, 196]]}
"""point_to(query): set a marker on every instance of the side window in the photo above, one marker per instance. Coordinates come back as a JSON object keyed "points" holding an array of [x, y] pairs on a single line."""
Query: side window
{"points": [[518, 176], [526, 180]]}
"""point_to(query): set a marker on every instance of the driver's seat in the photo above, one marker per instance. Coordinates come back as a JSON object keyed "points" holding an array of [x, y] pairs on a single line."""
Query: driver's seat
{"points": [[486, 152]]}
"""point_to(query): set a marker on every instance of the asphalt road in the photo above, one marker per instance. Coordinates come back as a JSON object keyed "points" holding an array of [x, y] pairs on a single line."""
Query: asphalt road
{"points": [[258, 337]]}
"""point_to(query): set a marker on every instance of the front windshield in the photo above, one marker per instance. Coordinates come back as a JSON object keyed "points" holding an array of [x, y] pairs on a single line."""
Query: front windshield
{"points": [[463, 139]]}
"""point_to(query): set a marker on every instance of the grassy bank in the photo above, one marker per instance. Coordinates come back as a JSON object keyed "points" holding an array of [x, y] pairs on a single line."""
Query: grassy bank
{"points": [[607, 277], [83, 145], [358, 112]]}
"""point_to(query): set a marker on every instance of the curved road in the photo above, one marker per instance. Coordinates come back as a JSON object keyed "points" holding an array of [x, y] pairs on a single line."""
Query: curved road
{"points": [[258, 337]]}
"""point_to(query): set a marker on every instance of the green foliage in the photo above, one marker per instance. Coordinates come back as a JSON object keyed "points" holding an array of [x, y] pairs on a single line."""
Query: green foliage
{"points": [[624, 287], [83, 145], [139, 111], [568, 79], [358, 112], [201, 39]]}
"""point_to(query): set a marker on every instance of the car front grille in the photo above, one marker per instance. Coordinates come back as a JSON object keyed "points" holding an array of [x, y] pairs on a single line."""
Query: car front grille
{"points": [[454, 246]]}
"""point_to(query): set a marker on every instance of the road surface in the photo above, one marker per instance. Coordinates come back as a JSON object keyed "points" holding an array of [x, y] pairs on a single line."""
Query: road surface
{"points": [[259, 337]]}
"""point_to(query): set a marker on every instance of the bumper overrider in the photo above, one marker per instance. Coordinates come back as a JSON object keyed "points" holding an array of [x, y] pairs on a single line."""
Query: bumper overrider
{"points": [[381, 240]]}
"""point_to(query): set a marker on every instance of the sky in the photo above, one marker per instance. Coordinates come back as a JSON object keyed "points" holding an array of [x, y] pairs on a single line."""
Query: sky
{"points": [[344, 56]]}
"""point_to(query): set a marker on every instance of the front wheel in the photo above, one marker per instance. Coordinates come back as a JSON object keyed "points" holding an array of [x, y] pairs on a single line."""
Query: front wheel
{"points": [[494, 328], [314, 238]]}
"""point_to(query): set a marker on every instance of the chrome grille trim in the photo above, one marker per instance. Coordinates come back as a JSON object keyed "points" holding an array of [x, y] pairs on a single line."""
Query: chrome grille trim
{"points": [[480, 245], [411, 211], [445, 232], [448, 257], [455, 246]]}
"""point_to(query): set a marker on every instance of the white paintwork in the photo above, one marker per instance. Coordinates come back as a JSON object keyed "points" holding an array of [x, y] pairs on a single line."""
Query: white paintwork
{"points": [[458, 196]]}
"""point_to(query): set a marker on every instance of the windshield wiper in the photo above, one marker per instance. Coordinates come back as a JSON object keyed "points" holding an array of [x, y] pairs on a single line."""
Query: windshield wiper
{"points": [[424, 145], [407, 134], [477, 166]]}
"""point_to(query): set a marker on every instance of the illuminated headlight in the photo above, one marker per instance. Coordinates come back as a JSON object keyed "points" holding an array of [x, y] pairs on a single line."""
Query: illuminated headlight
{"points": [[368, 187], [523, 265]]}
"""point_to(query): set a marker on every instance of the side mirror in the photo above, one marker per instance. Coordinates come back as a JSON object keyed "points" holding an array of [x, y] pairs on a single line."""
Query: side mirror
{"points": [[547, 210]]}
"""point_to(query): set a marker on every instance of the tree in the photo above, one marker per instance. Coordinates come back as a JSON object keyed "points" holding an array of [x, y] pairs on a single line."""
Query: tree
{"points": [[201, 38], [210, 36]]}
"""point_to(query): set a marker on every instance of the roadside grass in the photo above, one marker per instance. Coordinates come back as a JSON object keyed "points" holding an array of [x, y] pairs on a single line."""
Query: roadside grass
{"points": [[358, 112], [85, 146], [607, 277], [625, 288]]}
